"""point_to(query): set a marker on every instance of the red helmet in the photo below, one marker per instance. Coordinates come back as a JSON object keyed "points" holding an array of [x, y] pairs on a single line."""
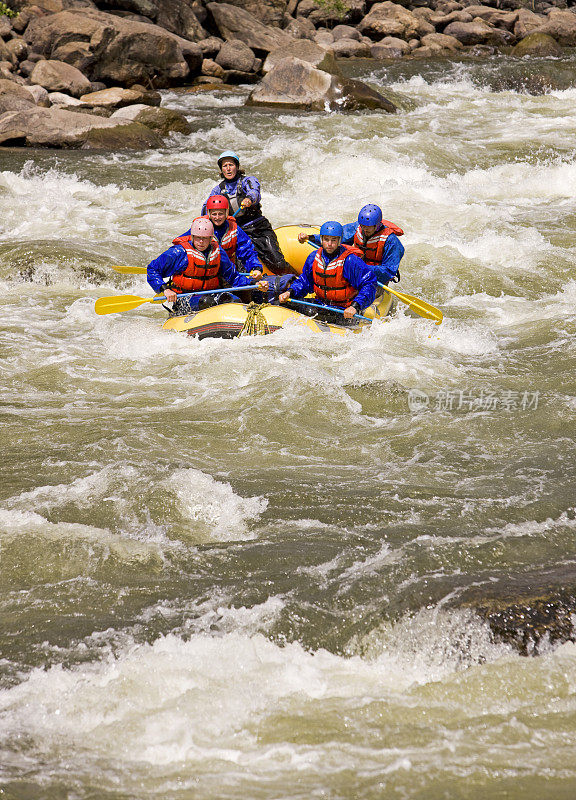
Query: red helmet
{"points": [[202, 227], [217, 201]]}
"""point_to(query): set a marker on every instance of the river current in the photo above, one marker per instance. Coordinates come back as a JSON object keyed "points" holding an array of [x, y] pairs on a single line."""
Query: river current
{"points": [[228, 567]]}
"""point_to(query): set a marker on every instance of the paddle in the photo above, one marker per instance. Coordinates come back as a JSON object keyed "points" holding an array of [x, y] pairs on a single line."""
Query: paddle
{"points": [[419, 306], [127, 302], [326, 308], [130, 270]]}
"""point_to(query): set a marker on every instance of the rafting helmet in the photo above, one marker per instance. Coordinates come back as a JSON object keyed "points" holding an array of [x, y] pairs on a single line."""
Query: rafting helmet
{"points": [[370, 215], [332, 229], [201, 227], [217, 201], [228, 154]]}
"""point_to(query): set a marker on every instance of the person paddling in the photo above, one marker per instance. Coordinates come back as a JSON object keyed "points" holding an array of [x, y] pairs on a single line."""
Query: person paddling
{"points": [[376, 238], [236, 244], [243, 193], [336, 275], [194, 263]]}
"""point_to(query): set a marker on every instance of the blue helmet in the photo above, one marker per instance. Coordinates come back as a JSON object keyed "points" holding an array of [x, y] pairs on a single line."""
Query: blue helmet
{"points": [[332, 229], [370, 215], [228, 154]]}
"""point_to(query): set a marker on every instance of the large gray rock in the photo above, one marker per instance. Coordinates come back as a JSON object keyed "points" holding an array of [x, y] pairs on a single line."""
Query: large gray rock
{"points": [[478, 32], [54, 127], [234, 54], [236, 23], [561, 25], [123, 52], [390, 19], [162, 120], [304, 50], [297, 84], [56, 76]]}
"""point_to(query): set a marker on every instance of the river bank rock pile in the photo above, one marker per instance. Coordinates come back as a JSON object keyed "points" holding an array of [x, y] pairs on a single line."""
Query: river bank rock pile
{"points": [[85, 73]]}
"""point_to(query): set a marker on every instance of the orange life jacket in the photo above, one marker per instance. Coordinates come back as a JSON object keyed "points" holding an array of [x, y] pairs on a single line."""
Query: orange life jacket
{"points": [[229, 241], [330, 285], [372, 250], [202, 272]]}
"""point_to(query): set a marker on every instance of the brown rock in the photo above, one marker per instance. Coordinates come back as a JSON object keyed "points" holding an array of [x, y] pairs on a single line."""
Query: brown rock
{"points": [[389, 19], [328, 14], [162, 120], [5, 54], [210, 47], [124, 52], [527, 22], [234, 54], [390, 47], [493, 16], [5, 27], [293, 83], [350, 48], [304, 50], [346, 32], [116, 97], [18, 49], [21, 22], [212, 69], [53, 127], [177, 16], [40, 95], [477, 32], [441, 43], [56, 76], [268, 12], [236, 23], [78, 54], [561, 25], [300, 28], [441, 21]]}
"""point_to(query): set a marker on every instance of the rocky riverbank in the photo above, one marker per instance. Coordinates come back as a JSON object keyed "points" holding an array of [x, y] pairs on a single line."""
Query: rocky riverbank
{"points": [[85, 73]]}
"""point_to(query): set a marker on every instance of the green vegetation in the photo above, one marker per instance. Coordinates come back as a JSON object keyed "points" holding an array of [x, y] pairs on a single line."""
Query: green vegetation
{"points": [[337, 7], [7, 11]]}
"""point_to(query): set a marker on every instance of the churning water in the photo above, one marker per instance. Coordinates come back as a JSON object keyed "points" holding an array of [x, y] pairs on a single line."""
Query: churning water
{"points": [[228, 567]]}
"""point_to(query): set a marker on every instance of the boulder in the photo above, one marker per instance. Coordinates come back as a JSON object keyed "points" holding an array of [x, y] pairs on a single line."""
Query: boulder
{"points": [[40, 95], [350, 48], [478, 32], [5, 54], [390, 19], [54, 127], [65, 100], [329, 13], [268, 12], [293, 83], [561, 25], [117, 97], [21, 22], [5, 27], [212, 69], [124, 52], [178, 17], [78, 54], [527, 22], [56, 76], [236, 23], [441, 43], [162, 120], [493, 16], [304, 50], [441, 21], [345, 32], [537, 44], [390, 47], [300, 28], [324, 39], [210, 47], [17, 49], [234, 54], [15, 90]]}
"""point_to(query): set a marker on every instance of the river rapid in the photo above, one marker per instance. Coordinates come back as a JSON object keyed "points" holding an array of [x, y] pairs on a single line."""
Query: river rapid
{"points": [[228, 567]]}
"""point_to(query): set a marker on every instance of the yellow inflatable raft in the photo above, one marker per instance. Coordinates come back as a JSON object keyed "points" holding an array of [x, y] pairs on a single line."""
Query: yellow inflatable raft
{"points": [[293, 251], [229, 320]]}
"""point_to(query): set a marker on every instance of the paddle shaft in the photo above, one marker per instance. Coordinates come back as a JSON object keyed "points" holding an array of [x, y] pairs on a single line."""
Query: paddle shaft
{"points": [[326, 308]]}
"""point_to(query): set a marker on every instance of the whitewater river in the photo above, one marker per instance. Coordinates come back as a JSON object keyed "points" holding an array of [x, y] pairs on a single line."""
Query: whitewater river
{"points": [[228, 569]]}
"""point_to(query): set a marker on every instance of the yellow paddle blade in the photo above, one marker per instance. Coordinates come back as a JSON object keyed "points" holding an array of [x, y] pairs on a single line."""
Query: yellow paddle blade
{"points": [[421, 307], [129, 270], [125, 302]]}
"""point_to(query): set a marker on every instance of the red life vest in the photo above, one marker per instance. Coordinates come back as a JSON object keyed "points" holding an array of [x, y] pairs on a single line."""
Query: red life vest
{"points": [[229, 241], [330, 284], [202, 272], [372, 250]]}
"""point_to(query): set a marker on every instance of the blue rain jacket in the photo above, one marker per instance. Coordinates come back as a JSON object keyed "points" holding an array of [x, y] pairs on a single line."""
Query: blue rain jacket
{"points": [[393, 252], [356, 272], [249, 185], [175, 260]]}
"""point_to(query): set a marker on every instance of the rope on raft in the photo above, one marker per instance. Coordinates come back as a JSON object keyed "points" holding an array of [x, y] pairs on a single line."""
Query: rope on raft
{"points": [[255, 323]]}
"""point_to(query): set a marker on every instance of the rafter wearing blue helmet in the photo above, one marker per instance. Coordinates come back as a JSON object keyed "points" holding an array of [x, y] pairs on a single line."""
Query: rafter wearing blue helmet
{"points": [[336, 275], [377, 239], [243, 193]]}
